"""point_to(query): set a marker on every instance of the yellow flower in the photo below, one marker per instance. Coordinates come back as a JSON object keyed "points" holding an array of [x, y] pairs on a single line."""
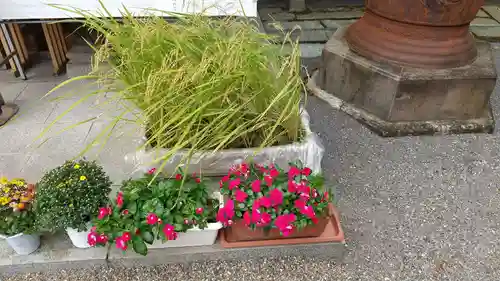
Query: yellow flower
{"points": [[4, 180], [6, 189], [77, 166], [4, 201], [82, 178]]}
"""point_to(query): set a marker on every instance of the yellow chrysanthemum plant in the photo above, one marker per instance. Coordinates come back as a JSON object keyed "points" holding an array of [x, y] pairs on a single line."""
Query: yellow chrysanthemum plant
{"points": [[16, 214], [70, 195]]}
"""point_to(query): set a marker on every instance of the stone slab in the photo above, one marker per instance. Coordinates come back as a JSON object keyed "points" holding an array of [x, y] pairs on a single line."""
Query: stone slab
{"points": [[331, 251], [275, 14], [493, 11], [488, 33], [290, 25], [335, 24], [353, 14], [303, 36], [484, 22], [56, 252], [482, 14]]}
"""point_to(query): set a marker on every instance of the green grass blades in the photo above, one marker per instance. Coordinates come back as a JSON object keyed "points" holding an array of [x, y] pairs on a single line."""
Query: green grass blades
{"points": [[201, 83]]}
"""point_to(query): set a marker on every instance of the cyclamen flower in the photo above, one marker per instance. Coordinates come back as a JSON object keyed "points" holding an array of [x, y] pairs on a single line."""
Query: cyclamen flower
{"points": [[104, 212], [292, 186], [121, 243], [265, 202], [240, 196], [268, 180], [234, 183], [256, 186], [306, 171], [293, 172], [276, 197], [226, 213], [119, 199], [152, 219], [307, 211], [274, 173], [285, 223], [92, 238]]}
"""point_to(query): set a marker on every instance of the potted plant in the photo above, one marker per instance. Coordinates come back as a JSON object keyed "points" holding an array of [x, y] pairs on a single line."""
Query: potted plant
{"points": [[68, 196], [208, 92], [266, 202], [17, 218], [156, 211]]}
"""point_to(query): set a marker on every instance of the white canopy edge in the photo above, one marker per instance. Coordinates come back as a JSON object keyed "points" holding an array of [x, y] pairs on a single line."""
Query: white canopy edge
{"points": [[41, 9]]}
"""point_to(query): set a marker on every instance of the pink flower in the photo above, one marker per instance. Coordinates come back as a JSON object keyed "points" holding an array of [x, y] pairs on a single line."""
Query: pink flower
{"points": [[292, 186], [256, 186], [274, 173], [152, 171], [284, 223], [241, 196], [152, 219], [103, 212], [226, 213], [199, 211], [121, 243], [178, 177], [265, 219], [92, 238], [299, 204], [247, 218], [169, 232], [197, 180], [306, 171], [234, 183], [293, 172], [307, 211], [268, 180], [102, 239], [126, 236], [276, 197], [225, 178], [119, 199], [265, 202]]}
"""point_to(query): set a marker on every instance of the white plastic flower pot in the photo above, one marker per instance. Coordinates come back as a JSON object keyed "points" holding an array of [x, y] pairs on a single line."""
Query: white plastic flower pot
{"points": [[78, 238], [192, 237], [24, 244]]}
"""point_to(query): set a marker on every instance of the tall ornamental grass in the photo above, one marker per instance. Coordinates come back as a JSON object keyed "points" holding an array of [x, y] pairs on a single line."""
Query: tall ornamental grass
{"points": [[201, 83]]}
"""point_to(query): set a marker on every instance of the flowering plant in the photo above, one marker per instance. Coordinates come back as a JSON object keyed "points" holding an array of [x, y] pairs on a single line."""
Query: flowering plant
{"points": [[153, 208], [269, 197], [70, 194], [16, 215]]}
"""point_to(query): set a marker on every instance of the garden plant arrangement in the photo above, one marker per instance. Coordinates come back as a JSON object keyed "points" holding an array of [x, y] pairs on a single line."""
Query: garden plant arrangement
{"points": [[199, 85], [17, 218], [68, 196], [266, 202], [155, 210]]}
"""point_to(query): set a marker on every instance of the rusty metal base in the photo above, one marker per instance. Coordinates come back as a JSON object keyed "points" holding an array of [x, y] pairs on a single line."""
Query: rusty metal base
{"points": [[432, 47]]}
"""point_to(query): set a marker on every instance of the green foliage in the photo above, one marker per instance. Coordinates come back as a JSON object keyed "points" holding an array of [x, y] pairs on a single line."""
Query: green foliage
{"points": [[182, 202], [69, 195], [16, 214], [200, 84]]}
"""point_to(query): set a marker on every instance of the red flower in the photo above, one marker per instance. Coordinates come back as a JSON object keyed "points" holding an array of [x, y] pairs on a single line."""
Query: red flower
{"points": [[265, 202], [119, 199], [199, 211], [315, 193], [234, 183], [299, 204], [178, 177], [276, 197], [121, 243], [125, 212], [241, 196], [169, 232], [152, 171], [225, 178], [274, 173], [293, 172], [197, 180], [102, 239], [307, 211], [152, 219], [265, 219], [306, 171], [103, 212], [247, 218], [126, 236], [92, 238], [256, 186], [292, 186], [268, 180], [284, 223], [244, 168], [226, 213]]}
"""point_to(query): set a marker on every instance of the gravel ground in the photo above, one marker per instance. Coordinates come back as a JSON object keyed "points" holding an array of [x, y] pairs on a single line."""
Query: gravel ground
{"points": [[413, 208]]}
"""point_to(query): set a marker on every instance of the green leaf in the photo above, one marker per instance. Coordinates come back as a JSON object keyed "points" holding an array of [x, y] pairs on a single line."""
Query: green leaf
{"points": [[148, 237], [159, 209], [241, 205], [179, 227], [132, 207], [139, 245], [178, 219]]}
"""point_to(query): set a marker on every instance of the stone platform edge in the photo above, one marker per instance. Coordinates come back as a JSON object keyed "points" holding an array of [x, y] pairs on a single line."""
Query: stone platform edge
{"points": [[46, 259]]}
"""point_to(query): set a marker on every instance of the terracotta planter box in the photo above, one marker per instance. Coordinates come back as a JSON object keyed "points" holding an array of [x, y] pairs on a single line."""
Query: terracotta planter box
{"points": [[331, 232], [240, 232]]}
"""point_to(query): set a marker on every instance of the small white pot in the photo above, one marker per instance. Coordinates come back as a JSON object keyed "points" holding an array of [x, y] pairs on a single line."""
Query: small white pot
{"points": [[79, 238], [24, 244], [192, 237]]}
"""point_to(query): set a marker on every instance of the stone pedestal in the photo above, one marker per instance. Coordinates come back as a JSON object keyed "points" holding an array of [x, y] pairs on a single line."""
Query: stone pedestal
{"points": [[396, 100]]}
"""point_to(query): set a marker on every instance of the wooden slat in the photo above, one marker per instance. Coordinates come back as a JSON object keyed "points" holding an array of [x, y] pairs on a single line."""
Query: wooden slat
{"points": [[56, 64], [7, 50], [22, 42], [63, 38], [17, 44], [58, 41]]}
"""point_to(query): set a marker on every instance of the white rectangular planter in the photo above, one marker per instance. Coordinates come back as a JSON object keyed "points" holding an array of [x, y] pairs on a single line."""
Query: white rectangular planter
{"points": [[192, 237], [309, 151]]}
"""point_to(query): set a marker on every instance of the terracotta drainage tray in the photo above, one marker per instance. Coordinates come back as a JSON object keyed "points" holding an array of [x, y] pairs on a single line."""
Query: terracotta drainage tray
{"points": [[333, 233]]}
